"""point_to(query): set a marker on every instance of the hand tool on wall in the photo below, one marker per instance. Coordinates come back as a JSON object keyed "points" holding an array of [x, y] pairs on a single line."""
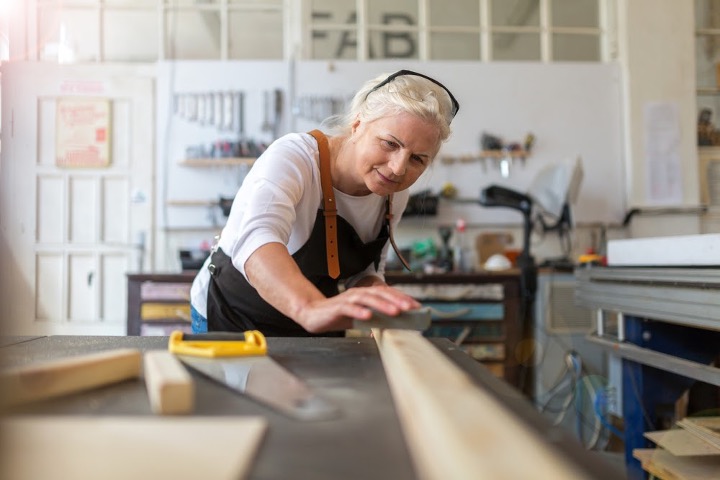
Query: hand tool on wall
{"points": [[266, 125], [228, 113], [218, 110], [418, 319], [55, 378], [278, 109], [240, 362]]}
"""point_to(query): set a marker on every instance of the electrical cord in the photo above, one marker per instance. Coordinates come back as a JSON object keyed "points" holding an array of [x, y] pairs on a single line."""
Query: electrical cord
{"points": [[573, 365], [600, 404], [597, 423], [570, 386]]}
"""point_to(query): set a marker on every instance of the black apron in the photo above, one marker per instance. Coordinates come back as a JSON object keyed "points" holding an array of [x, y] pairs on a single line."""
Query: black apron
{"points": [[234, 305]]}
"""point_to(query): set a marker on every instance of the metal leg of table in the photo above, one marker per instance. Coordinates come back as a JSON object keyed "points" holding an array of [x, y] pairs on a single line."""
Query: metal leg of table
{"points": [[649, 393]]}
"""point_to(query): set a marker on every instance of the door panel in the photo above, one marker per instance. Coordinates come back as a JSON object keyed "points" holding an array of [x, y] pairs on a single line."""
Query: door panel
{"points": [[82, 292], [49, 291], [50, 212], [83, 208], [115, 210], [74, 236], [113, 301]]}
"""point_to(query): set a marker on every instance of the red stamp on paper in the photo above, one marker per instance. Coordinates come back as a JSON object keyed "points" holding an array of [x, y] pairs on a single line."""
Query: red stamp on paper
{"points": [[100, 134]]}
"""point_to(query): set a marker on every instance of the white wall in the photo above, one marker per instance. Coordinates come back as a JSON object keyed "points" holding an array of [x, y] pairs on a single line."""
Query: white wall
{"points": [[657, 53], [574, 110]]}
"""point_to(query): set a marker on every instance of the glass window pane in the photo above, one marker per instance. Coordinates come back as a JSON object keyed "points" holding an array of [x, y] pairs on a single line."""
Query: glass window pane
{"points": [[393, 45], [454, 46], [148, 4], [575, 13], [64, 4], [256, 2], [191, 2], [68, 35], [404, 12], [329, 45], [333, 11], [578, 48], [141, 46], [255, 34], [515, 46], [707, 48], [515, 13], [192, 35], [707, 14], [456, 13]]}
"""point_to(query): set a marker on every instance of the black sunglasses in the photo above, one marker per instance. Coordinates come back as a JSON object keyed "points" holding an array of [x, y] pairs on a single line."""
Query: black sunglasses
{"points": [[455, 104]]}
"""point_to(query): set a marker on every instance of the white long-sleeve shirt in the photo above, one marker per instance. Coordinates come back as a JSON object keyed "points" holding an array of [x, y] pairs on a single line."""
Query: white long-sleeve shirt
{"points": [[278, 202]]}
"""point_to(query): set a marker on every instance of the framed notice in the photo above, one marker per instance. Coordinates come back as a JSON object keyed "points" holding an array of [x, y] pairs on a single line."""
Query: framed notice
{"points": [[82, 132]]}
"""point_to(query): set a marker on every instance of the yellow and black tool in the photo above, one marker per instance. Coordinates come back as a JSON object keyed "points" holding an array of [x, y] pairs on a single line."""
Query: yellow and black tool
{"points": [[240, 362], [222, 344]]}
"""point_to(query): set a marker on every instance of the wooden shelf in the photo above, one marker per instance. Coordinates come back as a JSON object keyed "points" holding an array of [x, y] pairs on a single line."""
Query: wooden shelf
{"points": [[485, 154], [503, 154], [192, 203], [217, 162], [708, 91]]}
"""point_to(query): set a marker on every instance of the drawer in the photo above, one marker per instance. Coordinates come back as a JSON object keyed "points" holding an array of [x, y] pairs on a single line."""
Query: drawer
{"points": [[475, 332], [165, 291], [163, 330], [442, 311], [497, 369], [453, 292], [165, 311], [485, 351]]}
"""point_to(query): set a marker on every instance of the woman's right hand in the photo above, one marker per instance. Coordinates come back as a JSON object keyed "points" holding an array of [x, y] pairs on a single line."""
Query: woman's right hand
{"points": [[338, 312], [277, 278]]}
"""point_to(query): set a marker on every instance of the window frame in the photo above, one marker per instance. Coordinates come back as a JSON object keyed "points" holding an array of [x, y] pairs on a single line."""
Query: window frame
{"points": [[298, 27]]}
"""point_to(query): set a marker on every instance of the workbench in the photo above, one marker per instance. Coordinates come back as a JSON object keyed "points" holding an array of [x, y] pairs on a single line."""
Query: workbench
{"points": [[366, 442], [480, 311], [667, 335]]}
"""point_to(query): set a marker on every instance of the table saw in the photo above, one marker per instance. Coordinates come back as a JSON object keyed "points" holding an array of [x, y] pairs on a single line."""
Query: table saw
{"points": [[365, 441]]}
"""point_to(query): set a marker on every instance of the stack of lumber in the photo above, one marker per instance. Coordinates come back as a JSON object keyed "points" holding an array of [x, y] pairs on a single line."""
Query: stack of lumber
{"points": [[691, 452]]}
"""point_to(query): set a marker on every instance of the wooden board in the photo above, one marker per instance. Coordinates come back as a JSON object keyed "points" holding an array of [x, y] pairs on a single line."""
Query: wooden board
{"points": [[682, 443], [453, 428], [54, 378], [129, 447], [170, 387], [667, 466], [705, 428]]}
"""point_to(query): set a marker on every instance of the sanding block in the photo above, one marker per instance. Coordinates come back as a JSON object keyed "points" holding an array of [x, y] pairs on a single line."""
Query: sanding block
{"points": [[418, 319]]}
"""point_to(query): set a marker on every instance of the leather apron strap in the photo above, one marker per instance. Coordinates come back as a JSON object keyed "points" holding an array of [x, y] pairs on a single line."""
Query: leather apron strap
{"points": [[329, 208]]}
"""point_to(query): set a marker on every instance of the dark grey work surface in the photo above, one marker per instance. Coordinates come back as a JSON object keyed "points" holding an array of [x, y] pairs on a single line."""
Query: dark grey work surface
{"points": [[365, 443]]}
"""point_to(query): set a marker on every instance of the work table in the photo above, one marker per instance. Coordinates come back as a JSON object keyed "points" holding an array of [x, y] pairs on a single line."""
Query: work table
{"points": [[365, 442]]}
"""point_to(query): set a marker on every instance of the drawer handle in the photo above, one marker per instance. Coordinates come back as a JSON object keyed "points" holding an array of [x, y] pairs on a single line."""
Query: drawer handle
{"points": [[449, 315]]}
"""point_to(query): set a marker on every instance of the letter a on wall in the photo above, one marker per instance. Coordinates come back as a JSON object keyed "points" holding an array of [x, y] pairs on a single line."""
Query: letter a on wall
{"points": [[82, 132]]}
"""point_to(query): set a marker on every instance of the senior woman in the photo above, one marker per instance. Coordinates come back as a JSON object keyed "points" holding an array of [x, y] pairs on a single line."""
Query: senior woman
{"points": [[303, 250]]}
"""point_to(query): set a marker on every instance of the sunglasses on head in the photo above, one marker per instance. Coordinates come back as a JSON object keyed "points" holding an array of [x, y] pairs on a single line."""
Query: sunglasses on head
{"points": [[455, 104]]}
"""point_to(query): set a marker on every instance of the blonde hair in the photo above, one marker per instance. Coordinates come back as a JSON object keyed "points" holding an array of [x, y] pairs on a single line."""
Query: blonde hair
{"points": [[404, 94]]}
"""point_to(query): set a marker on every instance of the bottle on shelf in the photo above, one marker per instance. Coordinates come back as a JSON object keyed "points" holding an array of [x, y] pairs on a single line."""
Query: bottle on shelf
{"points": [[462, 258]]}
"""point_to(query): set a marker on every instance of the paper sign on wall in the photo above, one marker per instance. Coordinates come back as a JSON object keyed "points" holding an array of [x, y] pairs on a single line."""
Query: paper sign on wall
{"points": [[663, 165], [82, 132]]}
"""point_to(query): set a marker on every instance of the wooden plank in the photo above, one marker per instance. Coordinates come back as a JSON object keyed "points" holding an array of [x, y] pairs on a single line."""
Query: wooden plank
{"points": [[453, 428], [682, 443], [170, 387], [667, 466], [705, 428], [115, 448], [55, 378]]}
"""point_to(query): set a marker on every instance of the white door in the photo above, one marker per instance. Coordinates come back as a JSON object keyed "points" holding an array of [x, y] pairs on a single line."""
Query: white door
{"points": [[72, 233]]}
